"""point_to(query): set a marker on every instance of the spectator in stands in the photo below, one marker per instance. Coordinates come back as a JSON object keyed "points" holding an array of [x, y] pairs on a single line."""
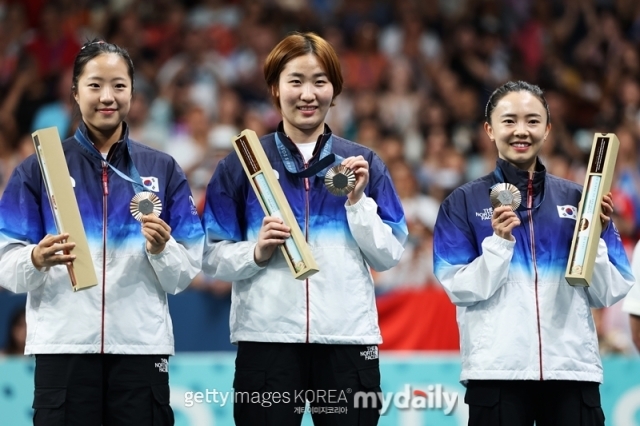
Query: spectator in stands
{"points": [[528, 344], [297, 336], [17, 335]]}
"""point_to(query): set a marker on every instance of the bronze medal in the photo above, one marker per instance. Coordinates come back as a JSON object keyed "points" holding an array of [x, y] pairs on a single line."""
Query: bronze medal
{"points": [[505, 194], [144, 203], [340, 180]]}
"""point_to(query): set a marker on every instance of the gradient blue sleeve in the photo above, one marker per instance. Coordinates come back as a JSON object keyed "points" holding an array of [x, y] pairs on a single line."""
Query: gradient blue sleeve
{"points": [[612, 277], [223, 209], [389, 206], [453, 240], [466, 275], [181, 259], [20, 206], [617, 253], [21, 227], [377, 221], [227, 254]]}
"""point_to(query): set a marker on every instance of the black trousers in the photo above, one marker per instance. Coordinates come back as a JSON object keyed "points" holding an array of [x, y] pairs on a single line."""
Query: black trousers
{"points": [[520, 403], [274, 381], [107, 390]]}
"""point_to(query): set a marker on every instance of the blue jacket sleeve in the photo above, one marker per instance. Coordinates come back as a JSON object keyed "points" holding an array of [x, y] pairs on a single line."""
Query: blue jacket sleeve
{"points": [[377, 221], [181, 260], [467, 276], [612, 277], [227, 255], [21, 228]]}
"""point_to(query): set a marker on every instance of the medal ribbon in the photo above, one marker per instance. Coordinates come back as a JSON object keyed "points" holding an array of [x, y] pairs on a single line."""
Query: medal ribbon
{"points": [[133, 177], [327, 160]]}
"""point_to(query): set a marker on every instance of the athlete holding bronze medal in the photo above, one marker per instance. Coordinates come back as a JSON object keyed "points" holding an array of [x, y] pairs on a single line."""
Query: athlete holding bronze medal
{"points": [[101, 354], [321, 333], [529, 347]]}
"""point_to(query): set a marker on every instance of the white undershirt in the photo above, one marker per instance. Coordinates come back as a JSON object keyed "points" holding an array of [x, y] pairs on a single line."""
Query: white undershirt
{"points": [[307, 150]]}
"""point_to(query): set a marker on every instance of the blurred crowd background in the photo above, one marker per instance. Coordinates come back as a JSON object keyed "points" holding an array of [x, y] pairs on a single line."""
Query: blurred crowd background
{"points": [[417, 74]]}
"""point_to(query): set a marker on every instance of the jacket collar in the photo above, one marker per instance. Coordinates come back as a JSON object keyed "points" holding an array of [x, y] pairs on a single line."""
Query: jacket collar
{"points": [[520, 178], [119, 148], [291, 146]]}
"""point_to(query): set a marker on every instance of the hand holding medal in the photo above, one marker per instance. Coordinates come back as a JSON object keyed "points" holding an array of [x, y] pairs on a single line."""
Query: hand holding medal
{"points": [[157, 233], [146, 207], [353, 185], [505, 199]]}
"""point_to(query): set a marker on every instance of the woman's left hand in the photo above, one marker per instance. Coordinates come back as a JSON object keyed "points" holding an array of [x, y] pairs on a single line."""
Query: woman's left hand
{"points": [[157, 233], [360, 167], [607, 210]]}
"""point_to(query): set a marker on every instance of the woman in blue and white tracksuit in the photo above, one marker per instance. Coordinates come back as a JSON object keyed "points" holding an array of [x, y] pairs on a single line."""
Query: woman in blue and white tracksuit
{"points": [[528, 340], [102, 352], [304, 338]]}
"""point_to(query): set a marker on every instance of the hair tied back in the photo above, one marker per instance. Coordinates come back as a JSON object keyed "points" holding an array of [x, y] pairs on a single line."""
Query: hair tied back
{"points": [[94, 42]]}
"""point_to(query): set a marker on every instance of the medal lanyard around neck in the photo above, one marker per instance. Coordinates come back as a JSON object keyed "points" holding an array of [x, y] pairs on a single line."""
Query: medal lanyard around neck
{"points": [[497, 173], [134, 177], [327, 160]]}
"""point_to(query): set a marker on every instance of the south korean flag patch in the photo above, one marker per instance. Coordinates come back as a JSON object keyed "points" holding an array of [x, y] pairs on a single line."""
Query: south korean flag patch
{"points": [[568, 212], [151, 183]]}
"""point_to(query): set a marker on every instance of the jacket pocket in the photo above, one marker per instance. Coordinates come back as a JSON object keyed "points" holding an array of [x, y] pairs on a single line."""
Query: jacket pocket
{"points": [[369, 382], [48, 404], [482, 396], [483, 404], [247, 398], [249, 380], [591, 410], [162, 412]]}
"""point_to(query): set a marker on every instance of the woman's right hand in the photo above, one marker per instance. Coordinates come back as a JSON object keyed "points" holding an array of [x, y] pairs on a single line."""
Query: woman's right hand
{"points": [[52, 250], [272, 235], [503, 221]]}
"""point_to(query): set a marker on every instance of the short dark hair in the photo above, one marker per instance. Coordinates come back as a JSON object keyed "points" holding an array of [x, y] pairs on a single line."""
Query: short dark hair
{"points": [[514, 86], [298, 44]]}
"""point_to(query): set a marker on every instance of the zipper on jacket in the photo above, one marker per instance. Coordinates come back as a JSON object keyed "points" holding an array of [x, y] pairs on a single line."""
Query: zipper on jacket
{"points": [[535, 267], [105, 193], [306, 237]]}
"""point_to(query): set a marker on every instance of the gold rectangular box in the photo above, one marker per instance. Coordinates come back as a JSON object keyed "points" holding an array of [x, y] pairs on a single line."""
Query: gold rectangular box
{"points": [[64, 205], [274, 203], [586, 235]]}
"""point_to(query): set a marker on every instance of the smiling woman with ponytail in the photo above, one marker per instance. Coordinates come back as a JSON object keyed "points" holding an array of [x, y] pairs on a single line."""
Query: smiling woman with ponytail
{"points": [[102, 353]]}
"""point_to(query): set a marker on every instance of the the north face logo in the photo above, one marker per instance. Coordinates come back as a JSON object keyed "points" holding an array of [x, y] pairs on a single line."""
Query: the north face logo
{"points": [[486, 214], [163, 365], [370, 353]]}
